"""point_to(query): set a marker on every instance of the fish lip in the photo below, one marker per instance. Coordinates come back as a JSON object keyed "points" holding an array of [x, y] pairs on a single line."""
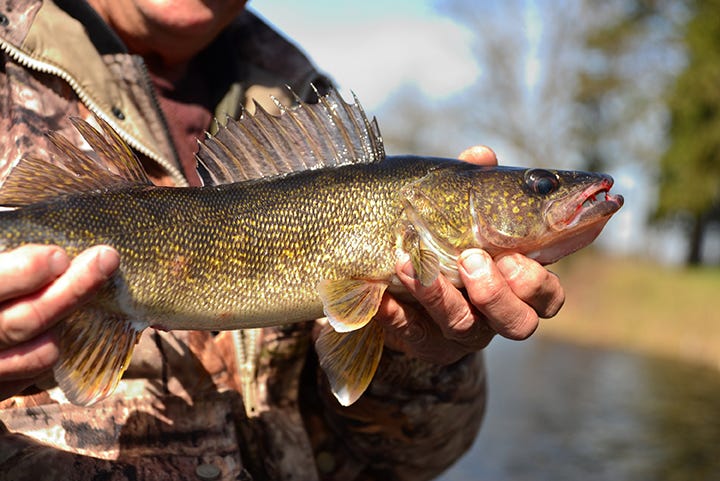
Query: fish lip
{"points": [[591, 209], [579, 226]]}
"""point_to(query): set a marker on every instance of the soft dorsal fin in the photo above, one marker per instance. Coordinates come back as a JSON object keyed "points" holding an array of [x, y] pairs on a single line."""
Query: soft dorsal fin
{"points": [[305, 136], [112, 165]]}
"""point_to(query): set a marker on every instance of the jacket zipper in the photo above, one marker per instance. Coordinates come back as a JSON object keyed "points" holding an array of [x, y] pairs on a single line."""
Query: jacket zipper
{"points": [[246, 358], [39, 66]]}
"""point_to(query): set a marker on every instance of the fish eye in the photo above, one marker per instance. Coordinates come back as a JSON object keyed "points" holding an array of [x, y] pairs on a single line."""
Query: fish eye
{"points": [[541, 182]]}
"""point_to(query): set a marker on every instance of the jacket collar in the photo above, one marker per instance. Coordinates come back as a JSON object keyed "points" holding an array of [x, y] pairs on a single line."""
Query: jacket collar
{"points": [[113, 85]]}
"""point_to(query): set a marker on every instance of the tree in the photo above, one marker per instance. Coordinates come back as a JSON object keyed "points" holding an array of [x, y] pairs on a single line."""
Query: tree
{"points": [[631, 55], [572, 83], [522, 100], [690, 168]]}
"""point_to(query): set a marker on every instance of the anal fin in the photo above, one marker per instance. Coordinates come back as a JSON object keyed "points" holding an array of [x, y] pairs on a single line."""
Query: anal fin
{"points": [[349, 304], [95, 350], [350, 359]]}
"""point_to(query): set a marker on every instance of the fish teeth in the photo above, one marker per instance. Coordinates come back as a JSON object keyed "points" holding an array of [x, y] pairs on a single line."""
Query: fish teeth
{"points": [[592, 198]]}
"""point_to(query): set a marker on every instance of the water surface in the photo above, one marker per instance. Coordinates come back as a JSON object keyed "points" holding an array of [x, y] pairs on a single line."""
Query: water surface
{"points": [[561, 412]]}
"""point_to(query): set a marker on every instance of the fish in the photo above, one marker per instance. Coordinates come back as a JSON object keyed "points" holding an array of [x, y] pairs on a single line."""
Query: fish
{"points": [[301, 215]]}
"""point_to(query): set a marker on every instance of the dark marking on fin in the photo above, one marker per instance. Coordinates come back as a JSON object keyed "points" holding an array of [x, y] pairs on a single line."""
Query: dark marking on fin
{"points": [[94, 353], [350, 304], [304, 136]]}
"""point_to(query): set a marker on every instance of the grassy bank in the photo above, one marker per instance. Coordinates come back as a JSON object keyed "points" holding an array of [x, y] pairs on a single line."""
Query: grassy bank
{"points": [[640, 306]]}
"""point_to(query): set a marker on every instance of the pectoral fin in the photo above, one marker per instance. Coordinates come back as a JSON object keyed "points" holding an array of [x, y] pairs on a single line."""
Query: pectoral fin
{"points": [[425, 262], [349, 304], [350, 359], [94, 352]]}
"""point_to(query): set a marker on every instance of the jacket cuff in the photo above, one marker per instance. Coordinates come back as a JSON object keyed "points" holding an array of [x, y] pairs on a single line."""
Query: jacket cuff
{"points": [[414, 421]]}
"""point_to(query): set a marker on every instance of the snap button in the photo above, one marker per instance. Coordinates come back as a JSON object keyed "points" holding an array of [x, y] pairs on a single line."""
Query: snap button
{"points": [[118, 113], [207, 472]]}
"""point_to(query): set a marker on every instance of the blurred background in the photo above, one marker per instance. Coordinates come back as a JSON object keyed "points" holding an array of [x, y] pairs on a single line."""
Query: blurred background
{"points": [[625, 383]]}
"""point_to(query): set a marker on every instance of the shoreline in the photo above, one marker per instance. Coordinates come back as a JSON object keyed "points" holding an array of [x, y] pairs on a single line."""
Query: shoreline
{"points": [[638, 306]]}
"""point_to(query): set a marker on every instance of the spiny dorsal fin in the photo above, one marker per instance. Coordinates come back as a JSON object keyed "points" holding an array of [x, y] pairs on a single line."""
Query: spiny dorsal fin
{"points": [[305, 136], [113, 164]]}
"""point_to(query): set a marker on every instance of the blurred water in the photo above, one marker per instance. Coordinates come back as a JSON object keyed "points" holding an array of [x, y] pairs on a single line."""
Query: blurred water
{"points": [[563, 412]]}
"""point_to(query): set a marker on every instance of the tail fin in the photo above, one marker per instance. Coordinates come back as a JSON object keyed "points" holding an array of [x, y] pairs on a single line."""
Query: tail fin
{"points": [[94, 352]]}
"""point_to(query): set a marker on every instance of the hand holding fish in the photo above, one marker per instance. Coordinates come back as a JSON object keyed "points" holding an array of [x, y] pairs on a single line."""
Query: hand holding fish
{"points": [[505, 297], [38, 286]]}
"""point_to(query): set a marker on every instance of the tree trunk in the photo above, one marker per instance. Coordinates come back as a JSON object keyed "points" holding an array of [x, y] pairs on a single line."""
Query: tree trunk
{"points": [[697, 235]]}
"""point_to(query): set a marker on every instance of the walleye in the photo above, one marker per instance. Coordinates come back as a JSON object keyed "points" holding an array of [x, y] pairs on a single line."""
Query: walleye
{"points": [[301, 216]]}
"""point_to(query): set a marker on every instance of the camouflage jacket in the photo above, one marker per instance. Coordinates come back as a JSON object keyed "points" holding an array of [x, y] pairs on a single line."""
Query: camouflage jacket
{"points": [[193, 405]]}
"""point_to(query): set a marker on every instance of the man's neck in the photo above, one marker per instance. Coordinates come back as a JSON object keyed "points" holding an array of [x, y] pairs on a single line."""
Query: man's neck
{"points": [[167, 36]]}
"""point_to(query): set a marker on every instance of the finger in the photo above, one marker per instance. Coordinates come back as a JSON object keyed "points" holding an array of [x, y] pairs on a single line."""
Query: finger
{"points": [[28, 268], [402, 330], [532, 283], [447, 307], [480, 155], [24, 318], [487, 289], [30, 359], [411, 331]]}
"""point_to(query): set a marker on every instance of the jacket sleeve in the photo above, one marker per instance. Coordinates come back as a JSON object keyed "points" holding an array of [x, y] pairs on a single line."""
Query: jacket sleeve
{"points": [[414, 421]]}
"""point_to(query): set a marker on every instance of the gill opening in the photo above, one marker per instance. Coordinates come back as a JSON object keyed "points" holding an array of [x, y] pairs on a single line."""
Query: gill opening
{"points": [[474, 218], [447, 254]]}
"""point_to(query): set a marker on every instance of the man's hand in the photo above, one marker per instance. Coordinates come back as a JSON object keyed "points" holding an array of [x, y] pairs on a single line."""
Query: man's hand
{"points": [[39, 285], [505, 296]]}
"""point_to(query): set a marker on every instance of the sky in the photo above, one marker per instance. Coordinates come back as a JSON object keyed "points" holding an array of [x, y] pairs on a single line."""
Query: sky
{"points": [[375, 48]]}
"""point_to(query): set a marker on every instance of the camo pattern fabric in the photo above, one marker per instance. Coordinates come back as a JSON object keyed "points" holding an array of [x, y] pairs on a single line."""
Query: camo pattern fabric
{"points": [[228, 406]]}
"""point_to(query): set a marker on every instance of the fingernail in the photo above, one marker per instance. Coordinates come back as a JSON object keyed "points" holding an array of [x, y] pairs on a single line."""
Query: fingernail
{"points": [[108, 261], [508, 267], [476, 263], [59, 262]]}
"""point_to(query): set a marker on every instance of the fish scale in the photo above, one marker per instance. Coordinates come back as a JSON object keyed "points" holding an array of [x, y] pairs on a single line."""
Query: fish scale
{"points": [[275, 239]]}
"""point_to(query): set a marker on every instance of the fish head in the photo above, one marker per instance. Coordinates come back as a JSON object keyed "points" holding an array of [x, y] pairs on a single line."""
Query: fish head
{"points": [[544, 214]]}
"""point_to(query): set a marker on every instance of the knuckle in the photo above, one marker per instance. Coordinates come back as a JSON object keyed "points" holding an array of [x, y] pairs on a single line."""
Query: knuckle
{"points": [[433, 297], [43, 358], [522, 327], [18, 322], [553, 306], [549, 299], [487, 294], [23, 261], [415, 332], [462, 330]]}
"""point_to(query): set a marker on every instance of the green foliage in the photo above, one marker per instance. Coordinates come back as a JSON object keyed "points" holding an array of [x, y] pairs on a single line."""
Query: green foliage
{"points": [[631, 55], [690, 168]]}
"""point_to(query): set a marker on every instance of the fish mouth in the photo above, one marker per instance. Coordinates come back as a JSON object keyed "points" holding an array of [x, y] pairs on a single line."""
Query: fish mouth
{"points": [[594, 204], [582, 224]]}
